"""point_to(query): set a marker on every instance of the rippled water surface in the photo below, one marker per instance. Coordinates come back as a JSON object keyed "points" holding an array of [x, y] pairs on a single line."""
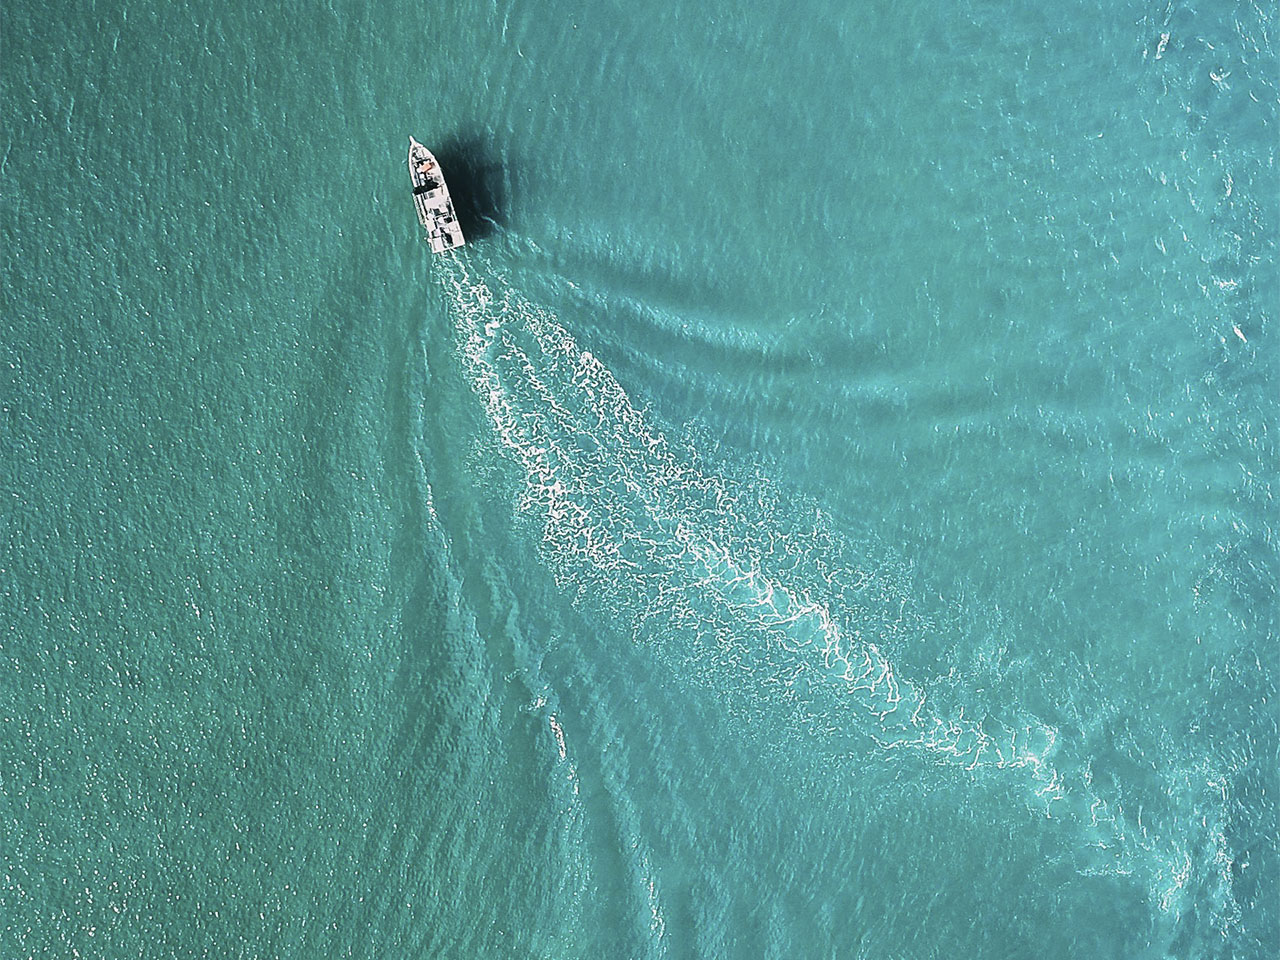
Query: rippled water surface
{"points": [[827, 510]]}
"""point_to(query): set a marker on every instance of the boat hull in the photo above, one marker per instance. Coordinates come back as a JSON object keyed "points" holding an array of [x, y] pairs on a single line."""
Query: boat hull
{"points": [[432, 201]]}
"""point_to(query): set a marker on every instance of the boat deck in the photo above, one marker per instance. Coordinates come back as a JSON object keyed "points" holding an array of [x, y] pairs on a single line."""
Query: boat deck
{"points": [[432, 201]]}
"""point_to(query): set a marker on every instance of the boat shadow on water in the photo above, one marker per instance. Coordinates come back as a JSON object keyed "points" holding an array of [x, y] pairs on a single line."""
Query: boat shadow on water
{"points": [[476, 182]]}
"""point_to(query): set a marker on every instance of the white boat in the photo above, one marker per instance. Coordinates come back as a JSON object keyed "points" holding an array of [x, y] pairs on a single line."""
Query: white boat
{"points": [[431, 199]]}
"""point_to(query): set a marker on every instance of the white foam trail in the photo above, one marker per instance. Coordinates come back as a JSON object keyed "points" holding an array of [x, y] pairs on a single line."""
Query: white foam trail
{"points": [[633, 522], [634, 526]]}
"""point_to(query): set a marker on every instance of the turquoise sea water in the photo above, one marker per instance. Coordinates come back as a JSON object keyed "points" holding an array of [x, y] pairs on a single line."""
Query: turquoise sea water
{"points": [[827, 511]]}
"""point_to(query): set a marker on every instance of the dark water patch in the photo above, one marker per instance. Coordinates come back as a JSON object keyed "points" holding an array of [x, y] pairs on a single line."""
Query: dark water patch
{"points": [[477, 177]]}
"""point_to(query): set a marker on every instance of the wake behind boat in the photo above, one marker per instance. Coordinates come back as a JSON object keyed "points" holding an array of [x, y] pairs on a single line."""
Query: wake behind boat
{"points": [[431, 199]]}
